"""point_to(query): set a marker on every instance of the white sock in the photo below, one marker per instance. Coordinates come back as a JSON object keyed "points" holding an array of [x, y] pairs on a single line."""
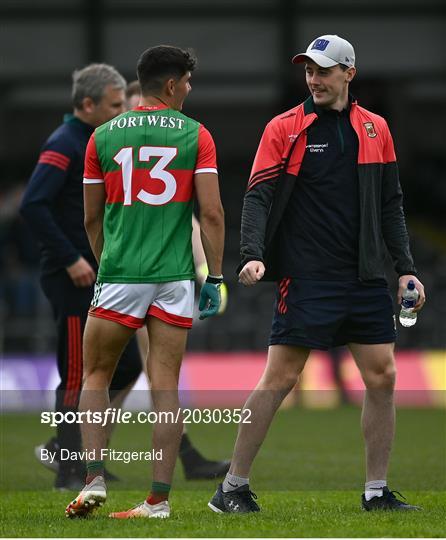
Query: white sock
{"points": [[232, 482], [374, 488]]}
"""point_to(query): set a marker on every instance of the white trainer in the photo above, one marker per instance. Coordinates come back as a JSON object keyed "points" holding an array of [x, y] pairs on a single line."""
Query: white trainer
{"points": [[160, 510], [91, 497]]}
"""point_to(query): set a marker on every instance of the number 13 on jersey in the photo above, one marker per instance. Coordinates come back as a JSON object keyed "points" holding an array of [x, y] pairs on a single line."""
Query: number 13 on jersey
{"points": [[124, 158]]}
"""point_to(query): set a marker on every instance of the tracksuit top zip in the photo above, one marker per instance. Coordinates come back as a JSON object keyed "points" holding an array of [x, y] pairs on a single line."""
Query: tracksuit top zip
{"points": [[341, 137], [321, 221]]}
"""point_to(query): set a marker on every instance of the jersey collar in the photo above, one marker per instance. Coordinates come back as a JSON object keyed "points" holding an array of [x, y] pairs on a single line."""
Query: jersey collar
{"points": [[159, 107], [310, 107]]}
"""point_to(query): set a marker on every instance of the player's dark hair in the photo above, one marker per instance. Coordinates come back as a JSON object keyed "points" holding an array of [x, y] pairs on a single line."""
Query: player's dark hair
{"points": [[158, 64]]}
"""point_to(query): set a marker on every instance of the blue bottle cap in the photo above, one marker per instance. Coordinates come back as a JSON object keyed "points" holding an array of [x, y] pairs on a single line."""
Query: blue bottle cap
{"points": [[411, 285]]}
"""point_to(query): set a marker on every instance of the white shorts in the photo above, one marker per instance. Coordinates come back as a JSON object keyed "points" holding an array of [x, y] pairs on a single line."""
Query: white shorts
{"points": [[131, 303]]}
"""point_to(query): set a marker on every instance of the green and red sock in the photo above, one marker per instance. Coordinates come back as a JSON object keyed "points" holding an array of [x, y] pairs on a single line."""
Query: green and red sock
{"points": [[160, 492], [94, 468]]}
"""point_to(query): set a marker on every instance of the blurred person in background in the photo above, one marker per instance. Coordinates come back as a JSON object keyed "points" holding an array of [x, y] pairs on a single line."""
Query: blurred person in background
{"points": [[146, 269], [323, 203], [53, 207]]}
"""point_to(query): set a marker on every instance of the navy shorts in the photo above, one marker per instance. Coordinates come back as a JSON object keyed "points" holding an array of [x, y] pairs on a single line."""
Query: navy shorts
{"points": [[323, 314]]}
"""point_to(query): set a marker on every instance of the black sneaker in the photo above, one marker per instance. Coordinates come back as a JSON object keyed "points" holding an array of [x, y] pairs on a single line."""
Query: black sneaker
{"points": [[238, 501], [69, 479], [206, 470], [388, 501]]}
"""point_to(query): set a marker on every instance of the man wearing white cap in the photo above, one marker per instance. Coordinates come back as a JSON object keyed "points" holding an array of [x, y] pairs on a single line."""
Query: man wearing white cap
{"points": [[322, 209]]}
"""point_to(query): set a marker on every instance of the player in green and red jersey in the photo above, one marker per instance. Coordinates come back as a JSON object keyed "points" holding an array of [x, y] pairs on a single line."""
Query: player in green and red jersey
{"points": [[141, 171], [195, 465]]}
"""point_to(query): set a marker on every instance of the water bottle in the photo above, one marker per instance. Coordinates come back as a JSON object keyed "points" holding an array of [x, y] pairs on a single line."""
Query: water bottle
{"points": [[410, 297]]}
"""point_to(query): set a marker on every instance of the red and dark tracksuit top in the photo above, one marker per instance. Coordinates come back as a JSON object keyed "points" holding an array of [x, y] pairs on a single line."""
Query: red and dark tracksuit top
{"points": [[53, 203], [275, 172]]}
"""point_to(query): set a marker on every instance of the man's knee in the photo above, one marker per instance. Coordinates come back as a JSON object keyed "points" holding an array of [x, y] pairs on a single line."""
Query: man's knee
{"points": [[279, 381], [382, 376], [164, 379], [98, 375], [285, 364], [282, 380]]}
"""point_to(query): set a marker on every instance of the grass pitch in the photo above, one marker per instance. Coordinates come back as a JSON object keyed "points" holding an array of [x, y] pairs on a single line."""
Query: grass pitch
{"points": [[308, 477]]}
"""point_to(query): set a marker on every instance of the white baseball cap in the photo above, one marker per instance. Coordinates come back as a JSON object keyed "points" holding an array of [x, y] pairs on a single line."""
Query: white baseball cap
{"points": [[327, 51]]}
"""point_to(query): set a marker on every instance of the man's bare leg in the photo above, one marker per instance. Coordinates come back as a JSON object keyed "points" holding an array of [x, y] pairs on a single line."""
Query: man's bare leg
{"points": [[377, 366], [195, 465], [104, 342], [284, 365], [167, 345], [116, 402]]}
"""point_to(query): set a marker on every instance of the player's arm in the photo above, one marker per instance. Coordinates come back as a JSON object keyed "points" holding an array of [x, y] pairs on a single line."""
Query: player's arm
{"points": [[212, 238], [94, 199], [257, 204], [394, 227], [207, 190], [201, 266], [94, 205], [212, 225]]}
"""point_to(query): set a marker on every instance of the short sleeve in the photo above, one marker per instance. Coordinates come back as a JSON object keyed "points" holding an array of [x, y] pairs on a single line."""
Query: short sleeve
{"points": [[269, 157], [207, 155], [92, 168]]}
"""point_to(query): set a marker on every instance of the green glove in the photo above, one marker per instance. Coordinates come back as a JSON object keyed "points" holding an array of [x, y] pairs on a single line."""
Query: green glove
{"points": [[202, 272], [210, 297]]}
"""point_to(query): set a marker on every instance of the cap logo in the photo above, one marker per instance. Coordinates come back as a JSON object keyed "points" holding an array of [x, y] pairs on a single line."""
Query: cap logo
{"points": [[320, 44], [370, 128]]}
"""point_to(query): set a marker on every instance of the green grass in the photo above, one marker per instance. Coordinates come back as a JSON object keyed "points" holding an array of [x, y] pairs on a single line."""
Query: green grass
{"points": [[290, 514], [308, 477]]}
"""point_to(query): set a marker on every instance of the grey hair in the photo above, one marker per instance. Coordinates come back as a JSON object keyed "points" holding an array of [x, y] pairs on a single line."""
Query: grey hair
{"points": [[91, 81]]}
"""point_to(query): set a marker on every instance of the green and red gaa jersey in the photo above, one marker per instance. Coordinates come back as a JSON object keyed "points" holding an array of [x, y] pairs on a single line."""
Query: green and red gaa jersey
{"points": [[147, 159]]}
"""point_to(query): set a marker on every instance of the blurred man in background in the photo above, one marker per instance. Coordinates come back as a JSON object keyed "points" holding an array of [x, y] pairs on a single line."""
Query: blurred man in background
{"points": [[323, 203], [53, 207], [142, 240]]}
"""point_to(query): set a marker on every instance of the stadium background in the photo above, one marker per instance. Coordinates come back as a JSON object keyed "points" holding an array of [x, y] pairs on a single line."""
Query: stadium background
{"points": [[244, 78]]}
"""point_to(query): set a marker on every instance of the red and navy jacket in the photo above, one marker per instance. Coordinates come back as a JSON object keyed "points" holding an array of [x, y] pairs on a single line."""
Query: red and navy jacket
{"points": [[53, 204], [276, 170]]}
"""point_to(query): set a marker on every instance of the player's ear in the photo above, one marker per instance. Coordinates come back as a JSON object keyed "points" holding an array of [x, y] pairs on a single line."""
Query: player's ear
{"points": [[88, 105], [170, 87], [351, 72]]}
